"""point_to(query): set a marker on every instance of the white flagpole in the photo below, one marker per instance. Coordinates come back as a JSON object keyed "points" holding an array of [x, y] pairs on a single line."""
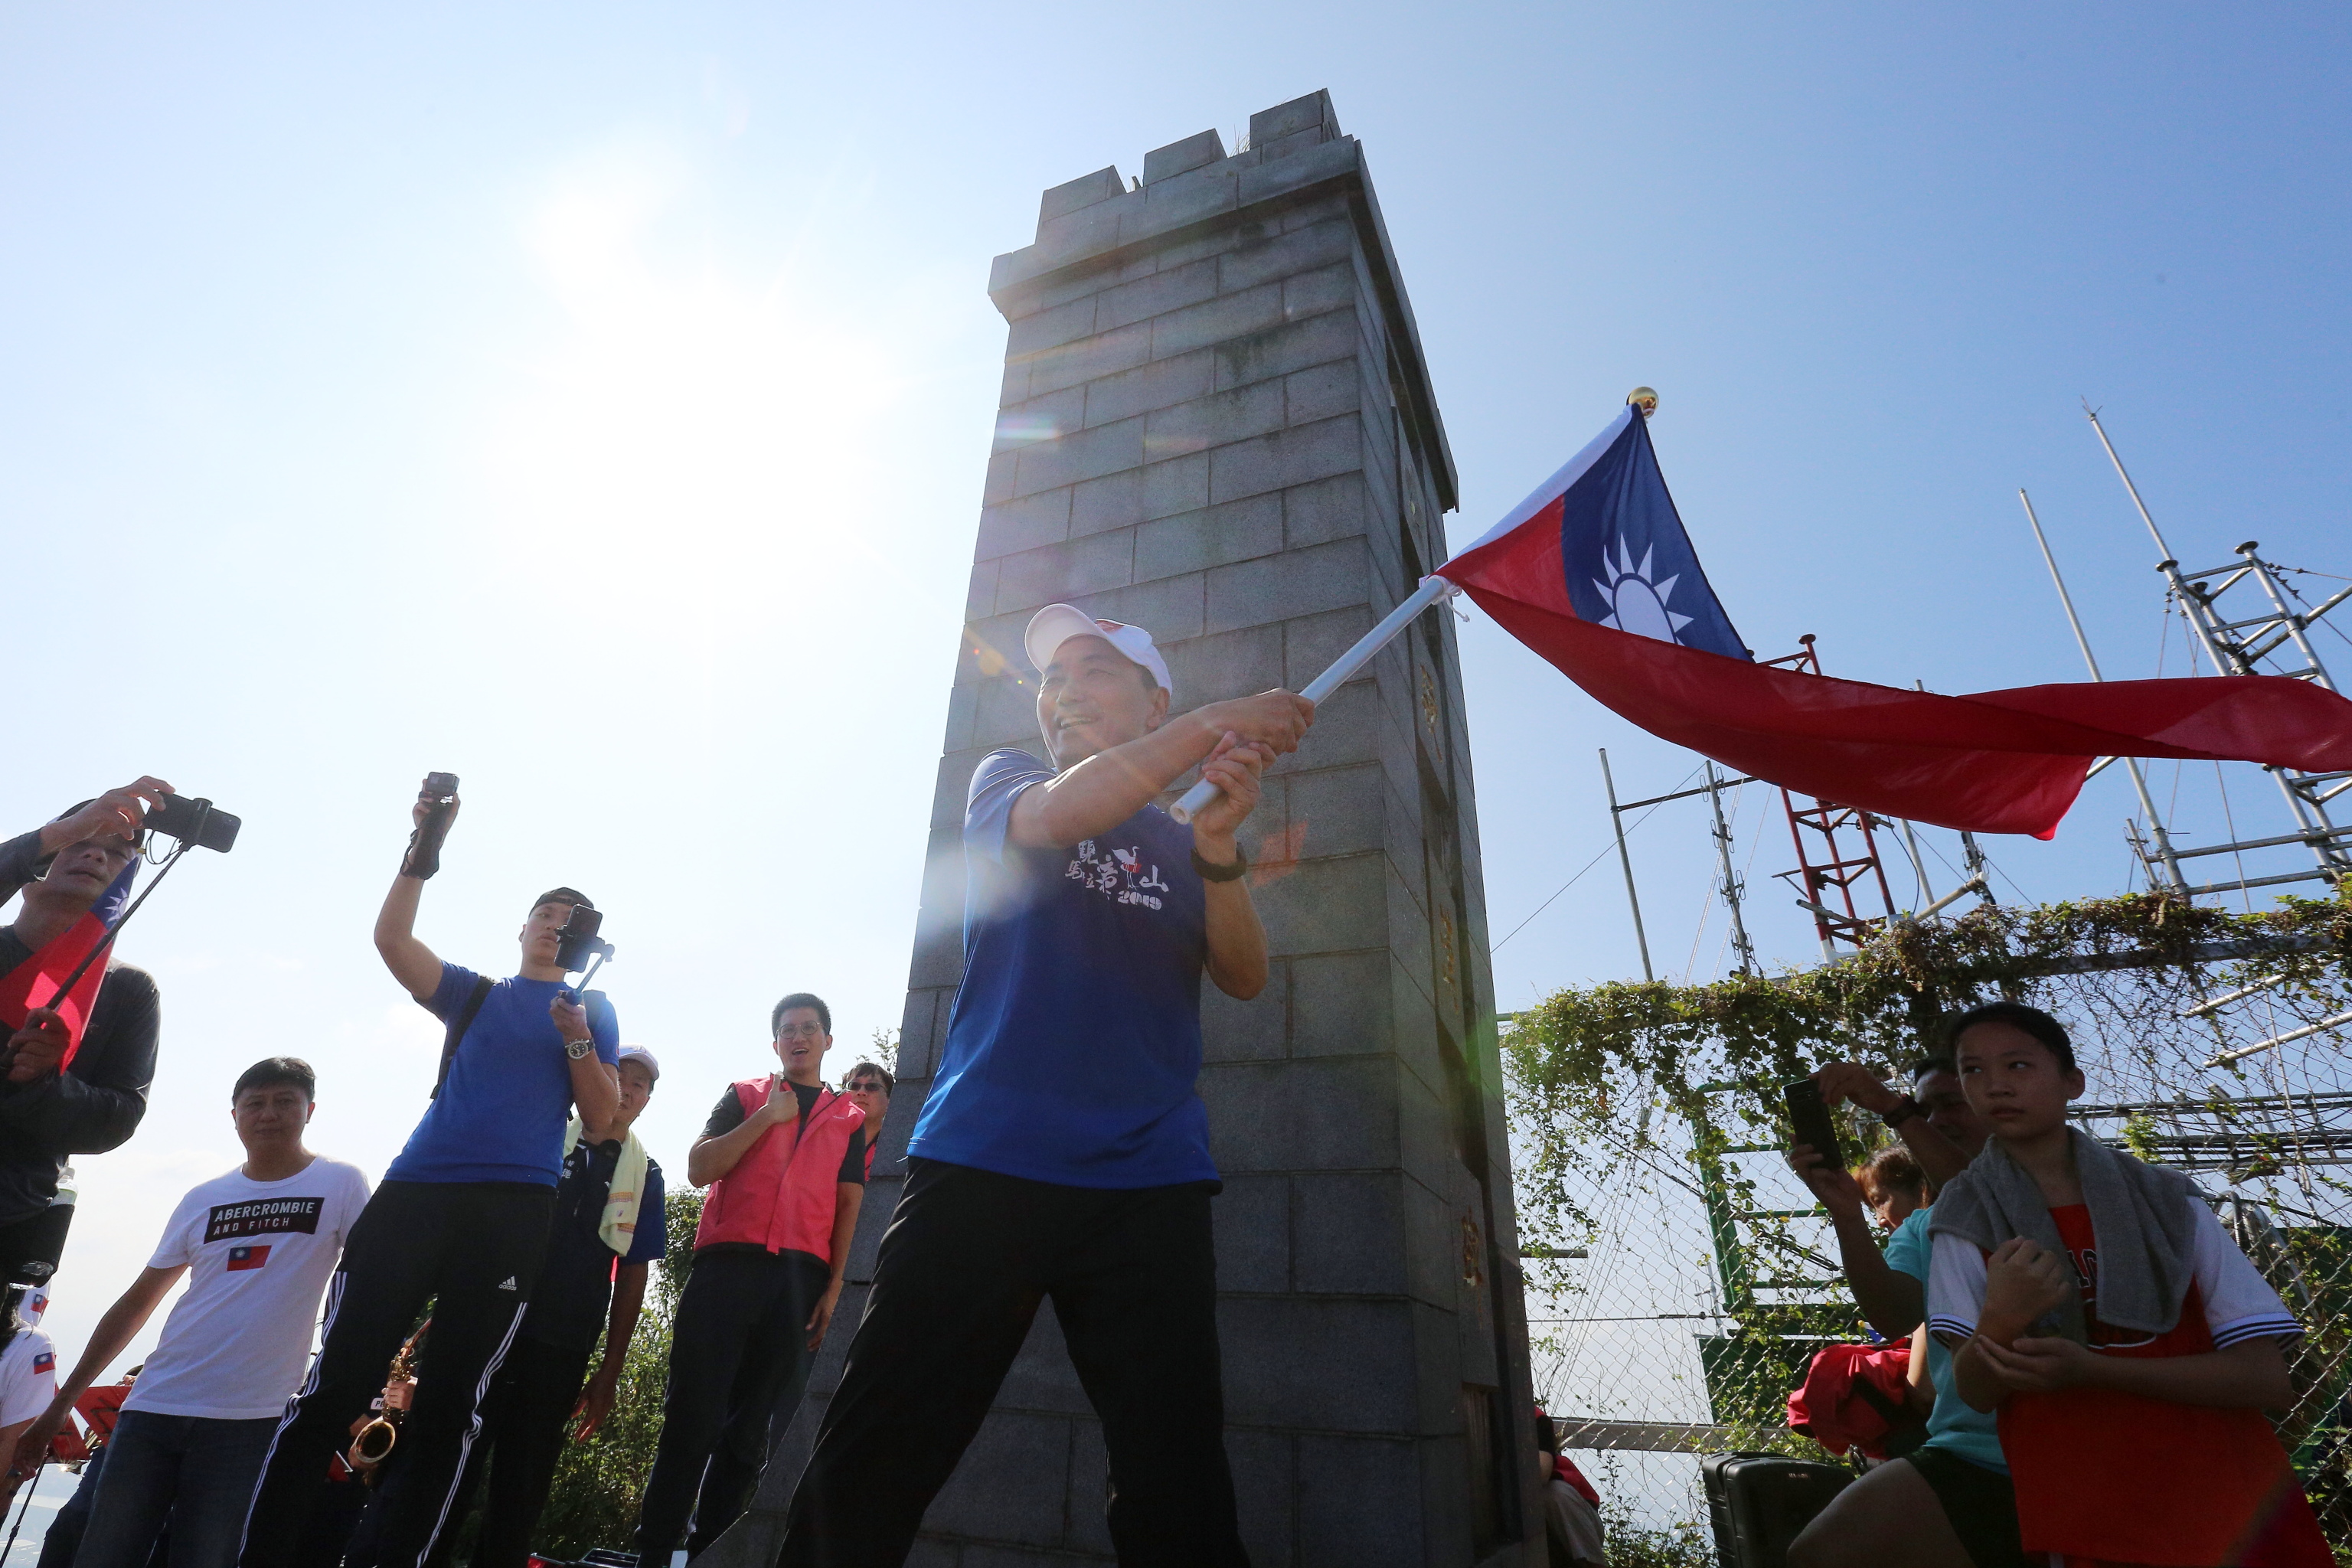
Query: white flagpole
{"points": [[1433, 590]]}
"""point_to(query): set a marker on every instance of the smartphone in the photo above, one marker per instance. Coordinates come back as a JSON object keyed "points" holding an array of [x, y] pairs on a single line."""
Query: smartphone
{"points": [[195, 821], [578, 942], [1809, 1121], [440, 786]]}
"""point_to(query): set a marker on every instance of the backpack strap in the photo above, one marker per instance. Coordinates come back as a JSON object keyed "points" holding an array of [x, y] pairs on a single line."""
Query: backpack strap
{"points": [[457, 1027]]}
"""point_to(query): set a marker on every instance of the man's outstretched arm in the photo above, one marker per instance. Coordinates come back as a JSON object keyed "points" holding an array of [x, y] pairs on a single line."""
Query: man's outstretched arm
{"points": [[119, 1326], [412, 963], [1105, 790]]}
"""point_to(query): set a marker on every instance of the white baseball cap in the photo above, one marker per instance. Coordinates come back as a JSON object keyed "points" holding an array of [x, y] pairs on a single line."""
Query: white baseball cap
{"points": [[1055, 625], [639, 1053]]}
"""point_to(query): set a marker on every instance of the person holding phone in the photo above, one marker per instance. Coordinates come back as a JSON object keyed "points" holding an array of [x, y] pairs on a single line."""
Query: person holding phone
{"points": [[1948, 1503], [53, 1107], [784, 1158], [460, 1219]]}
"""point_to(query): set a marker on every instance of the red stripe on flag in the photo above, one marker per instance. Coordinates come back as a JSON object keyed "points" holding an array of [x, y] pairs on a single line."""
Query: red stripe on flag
{"points": [[1994, 762]]}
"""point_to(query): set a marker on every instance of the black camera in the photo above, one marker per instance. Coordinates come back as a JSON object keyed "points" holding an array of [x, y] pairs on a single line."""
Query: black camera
{"points": [[440, 788], [195, 821], [577, 943]]}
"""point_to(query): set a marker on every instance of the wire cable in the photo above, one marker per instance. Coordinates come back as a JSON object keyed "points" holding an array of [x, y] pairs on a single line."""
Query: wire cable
{"points": [[1591, 863]]}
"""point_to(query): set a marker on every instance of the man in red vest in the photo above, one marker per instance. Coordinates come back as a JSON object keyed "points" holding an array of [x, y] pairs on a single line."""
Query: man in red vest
{"points": [[73, 1081], [784, 1158]]}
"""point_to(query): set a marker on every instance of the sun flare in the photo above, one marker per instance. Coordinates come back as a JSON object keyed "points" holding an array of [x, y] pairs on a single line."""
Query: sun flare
{"points": [[685, 431]]}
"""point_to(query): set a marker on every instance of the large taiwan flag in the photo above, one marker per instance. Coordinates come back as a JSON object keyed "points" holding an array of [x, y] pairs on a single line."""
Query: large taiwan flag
{"points": [[1594, 571]]}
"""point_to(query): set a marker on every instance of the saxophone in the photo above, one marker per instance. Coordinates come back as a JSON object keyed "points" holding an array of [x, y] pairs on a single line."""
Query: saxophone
{"points": [[373, 1444]]}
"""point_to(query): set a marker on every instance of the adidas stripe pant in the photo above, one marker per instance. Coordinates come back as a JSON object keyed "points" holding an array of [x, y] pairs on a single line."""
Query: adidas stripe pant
{"points": [[472, 1248]]}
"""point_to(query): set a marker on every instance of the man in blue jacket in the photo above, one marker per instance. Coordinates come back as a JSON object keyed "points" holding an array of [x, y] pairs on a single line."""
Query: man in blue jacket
{"points": [[1063, 1150]]}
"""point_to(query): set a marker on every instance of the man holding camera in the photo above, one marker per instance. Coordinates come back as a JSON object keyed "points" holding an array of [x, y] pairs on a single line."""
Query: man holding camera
{"points": [[73, 1075], [610, 1229], [460, 1219], [1063, 1150]]}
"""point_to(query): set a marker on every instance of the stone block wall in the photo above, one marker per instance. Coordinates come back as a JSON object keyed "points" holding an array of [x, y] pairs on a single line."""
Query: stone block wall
{"points": [[1216, 424]]}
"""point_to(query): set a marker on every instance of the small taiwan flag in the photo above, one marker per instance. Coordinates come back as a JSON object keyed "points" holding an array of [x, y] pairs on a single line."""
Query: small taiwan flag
{"points": [[45, 1360], [246, 1257]]}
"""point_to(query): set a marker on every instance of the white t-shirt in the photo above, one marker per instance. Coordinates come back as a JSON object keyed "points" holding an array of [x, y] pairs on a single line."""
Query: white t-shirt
{"points": [[28, 1376], [2240, 1305], [258, 1254]]}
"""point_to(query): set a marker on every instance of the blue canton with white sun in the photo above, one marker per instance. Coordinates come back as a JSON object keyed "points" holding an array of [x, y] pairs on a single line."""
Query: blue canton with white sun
{"points": [[1630, 564]]}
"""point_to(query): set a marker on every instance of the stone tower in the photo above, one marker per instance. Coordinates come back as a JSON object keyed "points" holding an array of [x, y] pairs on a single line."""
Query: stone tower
{"points": [[1216, 424]]}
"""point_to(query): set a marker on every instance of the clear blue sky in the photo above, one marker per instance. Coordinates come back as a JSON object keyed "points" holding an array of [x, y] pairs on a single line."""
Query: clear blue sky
{"points": [[593, 400]]}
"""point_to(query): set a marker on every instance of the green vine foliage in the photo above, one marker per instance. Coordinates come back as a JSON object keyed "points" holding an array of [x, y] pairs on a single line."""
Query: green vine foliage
{"points": [[1584, 1065], [1639, 1082]]}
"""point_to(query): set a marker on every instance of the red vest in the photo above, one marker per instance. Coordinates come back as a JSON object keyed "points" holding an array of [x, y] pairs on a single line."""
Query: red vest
{"points": [[781, 1194]]}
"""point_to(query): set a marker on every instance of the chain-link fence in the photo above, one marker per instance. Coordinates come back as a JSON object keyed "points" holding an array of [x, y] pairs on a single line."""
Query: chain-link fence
{"points": [[1684, 1277]]}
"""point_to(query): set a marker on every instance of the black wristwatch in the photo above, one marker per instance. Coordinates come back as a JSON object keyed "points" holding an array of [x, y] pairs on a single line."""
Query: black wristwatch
{"points": [[1212, 872], [1903, 1113]]}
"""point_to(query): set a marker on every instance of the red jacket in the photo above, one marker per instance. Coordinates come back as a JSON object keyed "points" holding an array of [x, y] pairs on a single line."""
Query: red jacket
{"points": [[1855, 1396], [781, 1194]]}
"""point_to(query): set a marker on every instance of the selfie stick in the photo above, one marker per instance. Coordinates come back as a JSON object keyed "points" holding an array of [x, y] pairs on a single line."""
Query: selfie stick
{"points": [[1433, 590]]}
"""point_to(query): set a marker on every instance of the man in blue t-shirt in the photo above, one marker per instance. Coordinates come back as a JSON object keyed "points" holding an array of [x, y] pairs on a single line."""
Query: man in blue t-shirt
{"points": [[460, 1219], [1063, 1151]]}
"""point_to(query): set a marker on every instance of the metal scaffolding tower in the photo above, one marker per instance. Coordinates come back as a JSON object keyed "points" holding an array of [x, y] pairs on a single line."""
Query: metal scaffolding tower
{"points": [[2239, 644]]}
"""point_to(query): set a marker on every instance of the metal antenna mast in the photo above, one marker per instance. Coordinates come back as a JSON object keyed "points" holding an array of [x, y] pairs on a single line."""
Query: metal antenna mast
{"points": [[2238, 648], [1732, 885], [2139, 780], [1617, 825]]}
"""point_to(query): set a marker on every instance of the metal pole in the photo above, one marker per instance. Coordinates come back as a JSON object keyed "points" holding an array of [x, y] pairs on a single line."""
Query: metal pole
{"points": [[2093, 415], [1918, 866], [1974, 859], [2288, 618], [2226, 653], [2139, 780], [1730, 878], [1626, 861], [1431, 591]]}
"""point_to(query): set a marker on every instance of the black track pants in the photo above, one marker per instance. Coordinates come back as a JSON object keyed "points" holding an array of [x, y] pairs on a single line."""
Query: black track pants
{"points": [[737, 1342], [471, 1248], [967, 1259], [526, 1419]]}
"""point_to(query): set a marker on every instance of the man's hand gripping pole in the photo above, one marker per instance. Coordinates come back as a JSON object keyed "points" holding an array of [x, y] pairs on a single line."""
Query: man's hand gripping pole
{"points": [[1433, 590]]}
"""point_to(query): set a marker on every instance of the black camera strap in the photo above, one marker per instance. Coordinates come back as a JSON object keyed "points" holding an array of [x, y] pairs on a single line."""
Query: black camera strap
{"points": [[457, 1027], [106, 940]]}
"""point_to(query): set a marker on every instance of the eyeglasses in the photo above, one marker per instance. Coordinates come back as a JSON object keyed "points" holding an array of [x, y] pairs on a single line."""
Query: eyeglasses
{"points": [[865, 1086]]}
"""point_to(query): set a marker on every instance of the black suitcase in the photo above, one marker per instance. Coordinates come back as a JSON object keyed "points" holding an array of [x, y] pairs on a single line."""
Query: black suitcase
{"points": [[1758, 1502]]}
